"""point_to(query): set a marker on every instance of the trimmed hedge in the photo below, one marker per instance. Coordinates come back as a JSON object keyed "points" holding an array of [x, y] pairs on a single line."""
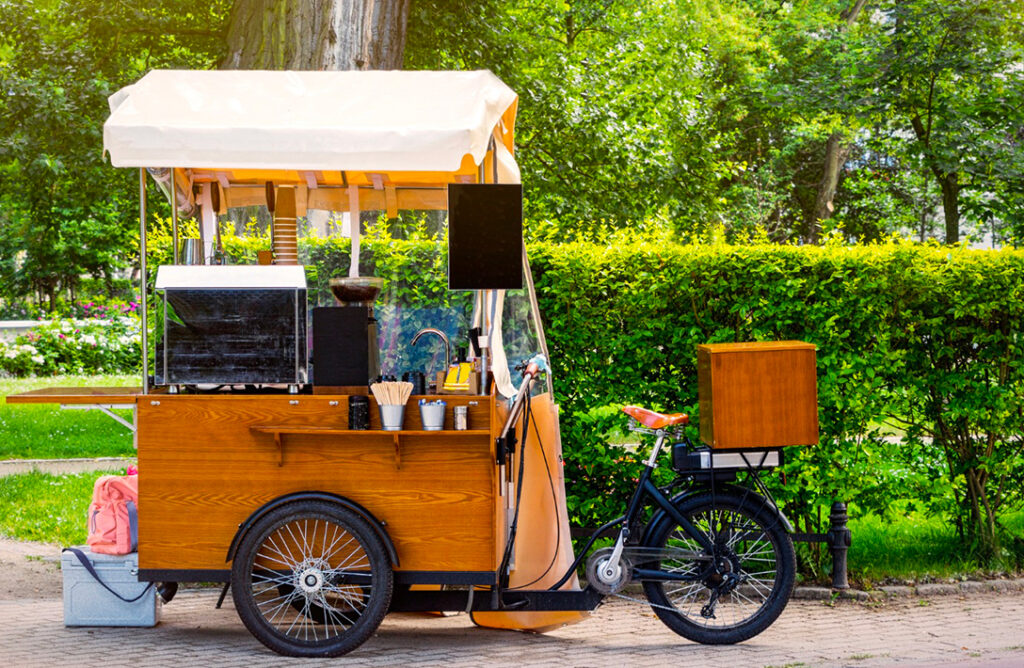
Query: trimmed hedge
{"points": [[920, 341]]}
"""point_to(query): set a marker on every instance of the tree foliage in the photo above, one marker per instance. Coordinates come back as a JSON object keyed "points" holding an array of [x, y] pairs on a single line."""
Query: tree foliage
{"points": [[64, 212]]}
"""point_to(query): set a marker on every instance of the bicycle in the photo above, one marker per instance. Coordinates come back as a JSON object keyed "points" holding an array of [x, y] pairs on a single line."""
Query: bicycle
{"points": [[716, 560]]}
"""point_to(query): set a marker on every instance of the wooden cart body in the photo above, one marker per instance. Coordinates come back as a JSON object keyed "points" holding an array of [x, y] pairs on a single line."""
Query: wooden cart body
{"points": [[210, 463]]}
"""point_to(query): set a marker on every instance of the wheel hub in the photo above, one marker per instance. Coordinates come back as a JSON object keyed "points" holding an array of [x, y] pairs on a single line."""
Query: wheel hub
{"points": [[605, 575], [310, 580]]}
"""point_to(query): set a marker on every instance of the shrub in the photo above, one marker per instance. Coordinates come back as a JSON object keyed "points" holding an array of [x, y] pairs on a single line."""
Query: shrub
{"points": [[108, 344]]}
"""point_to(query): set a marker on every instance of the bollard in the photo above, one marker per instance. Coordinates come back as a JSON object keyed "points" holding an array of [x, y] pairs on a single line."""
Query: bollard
{"points": [[838, 539]]}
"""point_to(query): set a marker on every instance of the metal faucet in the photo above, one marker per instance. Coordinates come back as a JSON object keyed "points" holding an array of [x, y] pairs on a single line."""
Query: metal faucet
{"points": [[444, 337]]}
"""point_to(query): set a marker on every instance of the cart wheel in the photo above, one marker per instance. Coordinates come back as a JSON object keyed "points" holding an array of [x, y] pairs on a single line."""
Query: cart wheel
{"points": [[311, 579]]}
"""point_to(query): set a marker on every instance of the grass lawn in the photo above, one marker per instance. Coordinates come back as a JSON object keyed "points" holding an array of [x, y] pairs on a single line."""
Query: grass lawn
{"points": [[50, 508], [44, 431], [913, 548]]}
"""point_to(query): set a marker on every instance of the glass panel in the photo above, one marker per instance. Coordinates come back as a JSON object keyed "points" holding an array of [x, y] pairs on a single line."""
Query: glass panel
{"points": [[411, 254]]}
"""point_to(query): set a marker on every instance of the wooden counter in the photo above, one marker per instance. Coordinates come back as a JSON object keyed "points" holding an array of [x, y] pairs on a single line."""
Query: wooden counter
{"points": [[77, 395]]}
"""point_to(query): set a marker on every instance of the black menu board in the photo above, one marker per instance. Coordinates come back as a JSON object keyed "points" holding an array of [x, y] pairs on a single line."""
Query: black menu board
{"points": [[485, 236]]}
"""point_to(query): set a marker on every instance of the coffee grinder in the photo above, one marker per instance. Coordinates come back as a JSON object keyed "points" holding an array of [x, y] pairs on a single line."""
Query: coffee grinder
{"points": [[346, 352]]}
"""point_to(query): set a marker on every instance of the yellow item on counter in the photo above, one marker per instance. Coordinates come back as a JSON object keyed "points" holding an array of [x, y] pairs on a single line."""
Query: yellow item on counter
{"points": [[458, 377]]}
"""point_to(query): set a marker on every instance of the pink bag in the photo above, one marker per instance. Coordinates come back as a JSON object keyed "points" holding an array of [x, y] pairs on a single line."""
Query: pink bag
{"points": [[113, 515]]}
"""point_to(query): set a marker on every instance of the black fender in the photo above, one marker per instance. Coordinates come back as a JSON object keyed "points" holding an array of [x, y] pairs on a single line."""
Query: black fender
{"points": [[377, 525], [654, 525]]}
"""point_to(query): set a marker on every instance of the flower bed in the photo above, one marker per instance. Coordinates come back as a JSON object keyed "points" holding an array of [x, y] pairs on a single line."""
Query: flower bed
{"points": [[105, 344]]}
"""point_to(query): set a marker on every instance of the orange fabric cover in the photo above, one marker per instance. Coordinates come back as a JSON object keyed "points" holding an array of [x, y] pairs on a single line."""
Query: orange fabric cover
{"points": [[543, 528]]}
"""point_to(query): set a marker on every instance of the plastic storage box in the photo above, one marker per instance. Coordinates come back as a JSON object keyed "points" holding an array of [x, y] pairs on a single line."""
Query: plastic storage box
{"points": [[87, 603]]}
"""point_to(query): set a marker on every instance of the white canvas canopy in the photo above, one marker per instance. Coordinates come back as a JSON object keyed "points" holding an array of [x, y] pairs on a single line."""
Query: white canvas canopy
{"points": [[377, 121], [337, 141]]}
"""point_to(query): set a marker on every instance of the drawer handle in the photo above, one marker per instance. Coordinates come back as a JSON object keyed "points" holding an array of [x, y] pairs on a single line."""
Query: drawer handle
{"points": [[332, 403], [154, 403], [293, 402]]}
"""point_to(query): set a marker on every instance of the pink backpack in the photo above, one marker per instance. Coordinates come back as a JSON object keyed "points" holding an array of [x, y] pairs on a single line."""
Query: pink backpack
{"points": [[113, 515]]}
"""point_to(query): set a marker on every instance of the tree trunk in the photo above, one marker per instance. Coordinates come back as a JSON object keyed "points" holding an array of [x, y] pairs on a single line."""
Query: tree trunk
{"points": [[317, 34], [835, 153], [948, 181], [951, 206]]}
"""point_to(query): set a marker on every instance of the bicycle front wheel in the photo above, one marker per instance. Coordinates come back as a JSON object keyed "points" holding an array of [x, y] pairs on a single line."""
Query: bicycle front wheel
{"points": [[740, 589]]}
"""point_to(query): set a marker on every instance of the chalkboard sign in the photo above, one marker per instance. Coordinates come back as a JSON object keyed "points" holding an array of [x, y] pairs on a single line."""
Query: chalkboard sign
{"points": [[485, 236]]}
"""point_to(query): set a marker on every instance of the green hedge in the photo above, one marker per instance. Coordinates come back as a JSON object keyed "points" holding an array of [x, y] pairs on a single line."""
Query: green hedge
{"points": [[922, 342]]}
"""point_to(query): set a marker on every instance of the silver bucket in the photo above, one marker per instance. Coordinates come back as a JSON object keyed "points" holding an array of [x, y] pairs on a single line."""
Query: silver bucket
{"points": [[392, 417]]}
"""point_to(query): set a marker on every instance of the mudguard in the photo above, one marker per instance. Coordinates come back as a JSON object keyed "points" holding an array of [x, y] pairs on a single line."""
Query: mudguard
{"points": [[376, 524]]}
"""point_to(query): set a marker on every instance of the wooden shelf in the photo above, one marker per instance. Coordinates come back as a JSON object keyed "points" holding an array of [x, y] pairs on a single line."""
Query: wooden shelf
{"points": [[330, 431], [77, 395], [280, 431]]}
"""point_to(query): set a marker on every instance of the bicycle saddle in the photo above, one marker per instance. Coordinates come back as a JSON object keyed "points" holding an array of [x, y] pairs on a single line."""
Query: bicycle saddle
{"points": [[649, 418]]}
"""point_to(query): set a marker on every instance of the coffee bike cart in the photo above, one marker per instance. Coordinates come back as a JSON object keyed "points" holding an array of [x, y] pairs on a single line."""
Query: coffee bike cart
{"points": [[250, 471]]}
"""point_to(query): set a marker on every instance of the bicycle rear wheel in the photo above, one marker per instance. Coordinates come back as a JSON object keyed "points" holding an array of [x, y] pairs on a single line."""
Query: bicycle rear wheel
{"points": [[754, 573]]}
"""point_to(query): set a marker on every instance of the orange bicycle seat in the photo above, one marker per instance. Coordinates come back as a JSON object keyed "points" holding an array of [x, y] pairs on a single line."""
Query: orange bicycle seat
{"points": [[649, 418]]}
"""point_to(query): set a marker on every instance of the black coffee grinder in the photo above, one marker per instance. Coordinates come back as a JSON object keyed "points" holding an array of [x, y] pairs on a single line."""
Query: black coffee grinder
{"points": [[346, 352]]}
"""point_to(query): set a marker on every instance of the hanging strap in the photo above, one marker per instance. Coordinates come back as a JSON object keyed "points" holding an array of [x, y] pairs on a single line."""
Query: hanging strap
{"points": [[133, 524], [96, 576]]}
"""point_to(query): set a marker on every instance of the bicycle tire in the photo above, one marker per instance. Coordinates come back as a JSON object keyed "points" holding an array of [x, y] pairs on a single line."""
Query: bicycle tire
{"points": [[334, 567], [749, 536]]}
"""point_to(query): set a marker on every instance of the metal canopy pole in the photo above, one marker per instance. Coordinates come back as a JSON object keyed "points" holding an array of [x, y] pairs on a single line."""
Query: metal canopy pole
{"points": [[142, 277], [174, 215]]}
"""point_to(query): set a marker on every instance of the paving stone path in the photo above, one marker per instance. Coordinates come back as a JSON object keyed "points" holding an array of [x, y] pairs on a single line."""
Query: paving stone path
{"points": [[979, 629], [64, 466]]}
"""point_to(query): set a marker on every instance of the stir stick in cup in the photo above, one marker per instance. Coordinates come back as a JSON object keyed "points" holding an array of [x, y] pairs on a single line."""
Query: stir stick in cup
{"points": [[391, 393]]}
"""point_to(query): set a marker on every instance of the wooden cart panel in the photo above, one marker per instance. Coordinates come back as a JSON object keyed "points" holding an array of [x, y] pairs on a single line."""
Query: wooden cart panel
{"points": [[208, 462]]}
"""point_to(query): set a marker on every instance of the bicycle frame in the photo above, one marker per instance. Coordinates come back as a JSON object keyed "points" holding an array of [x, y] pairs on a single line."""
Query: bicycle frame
{"points": [[645, 490]]}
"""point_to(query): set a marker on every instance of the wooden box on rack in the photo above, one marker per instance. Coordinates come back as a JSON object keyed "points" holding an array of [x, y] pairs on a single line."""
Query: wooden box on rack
{"points": [[757, 395]]}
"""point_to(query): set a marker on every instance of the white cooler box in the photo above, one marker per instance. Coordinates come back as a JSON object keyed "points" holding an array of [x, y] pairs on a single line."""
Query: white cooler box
{"points": [[88, 603]]}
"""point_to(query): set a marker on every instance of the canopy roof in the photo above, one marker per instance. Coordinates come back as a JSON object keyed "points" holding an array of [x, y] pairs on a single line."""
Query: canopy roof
{"points": [[236, 124]]}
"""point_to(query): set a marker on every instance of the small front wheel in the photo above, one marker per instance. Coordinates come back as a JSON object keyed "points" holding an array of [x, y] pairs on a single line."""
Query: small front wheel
{"points": [[733, 594], [311, 579]]}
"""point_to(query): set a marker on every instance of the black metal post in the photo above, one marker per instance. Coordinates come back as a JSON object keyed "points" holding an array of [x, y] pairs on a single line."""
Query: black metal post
{"points": [[839, 538]]}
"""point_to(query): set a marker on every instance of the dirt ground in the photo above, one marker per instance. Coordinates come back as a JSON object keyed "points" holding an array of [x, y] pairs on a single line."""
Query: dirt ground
{"points": [[29, 570]]}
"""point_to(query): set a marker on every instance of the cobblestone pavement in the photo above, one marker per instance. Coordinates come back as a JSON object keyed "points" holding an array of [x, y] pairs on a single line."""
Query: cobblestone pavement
{"points": [[980, 629]]}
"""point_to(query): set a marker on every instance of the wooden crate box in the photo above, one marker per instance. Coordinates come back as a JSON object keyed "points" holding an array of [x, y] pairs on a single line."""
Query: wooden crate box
{"points": [[757, 395]]}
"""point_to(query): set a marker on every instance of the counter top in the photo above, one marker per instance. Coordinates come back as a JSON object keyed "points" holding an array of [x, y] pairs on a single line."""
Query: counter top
{"points": [[77, 395]]}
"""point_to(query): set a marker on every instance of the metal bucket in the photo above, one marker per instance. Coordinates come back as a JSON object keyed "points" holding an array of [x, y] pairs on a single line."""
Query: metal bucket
{"points": [[392, 417]]}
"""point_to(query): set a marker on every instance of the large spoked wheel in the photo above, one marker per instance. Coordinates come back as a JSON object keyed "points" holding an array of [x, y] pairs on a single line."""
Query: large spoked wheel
{"points": [[311, 579], [741, 589]]}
